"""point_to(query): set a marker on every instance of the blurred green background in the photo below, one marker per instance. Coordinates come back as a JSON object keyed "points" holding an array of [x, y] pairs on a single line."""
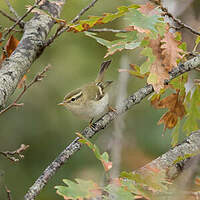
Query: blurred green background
{"points": [[48, 128]]}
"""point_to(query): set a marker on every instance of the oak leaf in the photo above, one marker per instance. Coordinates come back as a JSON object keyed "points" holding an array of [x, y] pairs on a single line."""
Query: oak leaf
{"points": [[81, 189], [158, 73], [148, 9], [174, 103], [170, 50]]}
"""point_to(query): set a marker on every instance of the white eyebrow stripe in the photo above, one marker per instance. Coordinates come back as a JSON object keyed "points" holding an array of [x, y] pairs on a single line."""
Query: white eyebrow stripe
{"points": [[76, 96], [100, 90]]}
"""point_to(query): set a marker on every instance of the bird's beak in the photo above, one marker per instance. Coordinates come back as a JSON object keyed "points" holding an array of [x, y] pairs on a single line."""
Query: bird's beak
{"points": [[61, 104]]}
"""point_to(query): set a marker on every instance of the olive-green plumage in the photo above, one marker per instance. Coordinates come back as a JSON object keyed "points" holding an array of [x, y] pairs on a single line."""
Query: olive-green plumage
{"points": [[91, 99]]}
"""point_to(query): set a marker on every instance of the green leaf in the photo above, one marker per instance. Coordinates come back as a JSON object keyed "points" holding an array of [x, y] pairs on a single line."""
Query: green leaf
{"points": [[104, 158], [144, 43], [101, 41], [156, 180], [135, 71], [186, 156], [197, 40], [119, 193], [127, 41], [137, 19], [152, 78], [150, 60], [183, 46], [193, 112], [84, 25], [136, 188], [78, 189], [179, 83]]}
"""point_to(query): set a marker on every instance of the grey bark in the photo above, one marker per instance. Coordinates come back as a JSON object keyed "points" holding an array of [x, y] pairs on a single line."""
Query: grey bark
{"points": [[29, 48]]}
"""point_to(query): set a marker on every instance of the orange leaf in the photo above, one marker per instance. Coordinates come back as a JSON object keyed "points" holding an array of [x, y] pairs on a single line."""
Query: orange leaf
{"points": [[107, 165], [174, 103], [169, 119], [22, 81], [10, 47]]}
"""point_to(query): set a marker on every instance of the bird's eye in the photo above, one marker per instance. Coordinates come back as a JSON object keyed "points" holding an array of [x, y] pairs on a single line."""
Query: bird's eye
{"points": [[73, 99]]}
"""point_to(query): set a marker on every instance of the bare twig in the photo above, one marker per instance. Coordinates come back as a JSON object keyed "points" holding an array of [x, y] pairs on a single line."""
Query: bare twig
{"points": [[37, 78], [83, 11], [8, 192], [107, 30], [100, 124], [61, 30], [178, 21], [20, 20], [12, 10], [11, 155], [9, 17]]}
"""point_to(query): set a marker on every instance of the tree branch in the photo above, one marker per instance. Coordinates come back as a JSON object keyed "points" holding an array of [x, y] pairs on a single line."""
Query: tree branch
{"points": [[19, 20], [8, 16], [12, 10], [83, 11], [37, 78], [100, 124], [8, 193], [11, 154], [190, 146], [29, 48], [178, 21], [61, 30]]}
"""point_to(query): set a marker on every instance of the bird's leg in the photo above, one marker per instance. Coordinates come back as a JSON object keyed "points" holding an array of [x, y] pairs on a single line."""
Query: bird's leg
{"points": [[111, 109], [90, 123]]}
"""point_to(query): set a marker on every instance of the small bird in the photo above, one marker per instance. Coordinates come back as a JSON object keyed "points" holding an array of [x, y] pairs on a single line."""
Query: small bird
{"points": [[90, 100]]}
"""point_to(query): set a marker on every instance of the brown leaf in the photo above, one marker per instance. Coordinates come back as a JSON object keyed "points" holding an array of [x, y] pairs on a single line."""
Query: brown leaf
{"points": [[169, 119], [9, 47], [148, 9], [107, 165], [158, 73], [170, 50], [22, 81], [139, 29], [168, 102], [174, 103]]}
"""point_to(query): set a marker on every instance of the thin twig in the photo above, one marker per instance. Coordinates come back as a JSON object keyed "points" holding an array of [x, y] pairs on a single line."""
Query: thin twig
{"points": [[12, 10], [11, 155], [61, 29], [8, 192], [100, 124], [178, 21], [37, 78], [107, 30], [83, 11], [19, 20], [9, 17]]}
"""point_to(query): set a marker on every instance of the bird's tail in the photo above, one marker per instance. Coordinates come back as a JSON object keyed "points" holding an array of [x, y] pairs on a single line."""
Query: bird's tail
{"points": [[104, 67]]}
